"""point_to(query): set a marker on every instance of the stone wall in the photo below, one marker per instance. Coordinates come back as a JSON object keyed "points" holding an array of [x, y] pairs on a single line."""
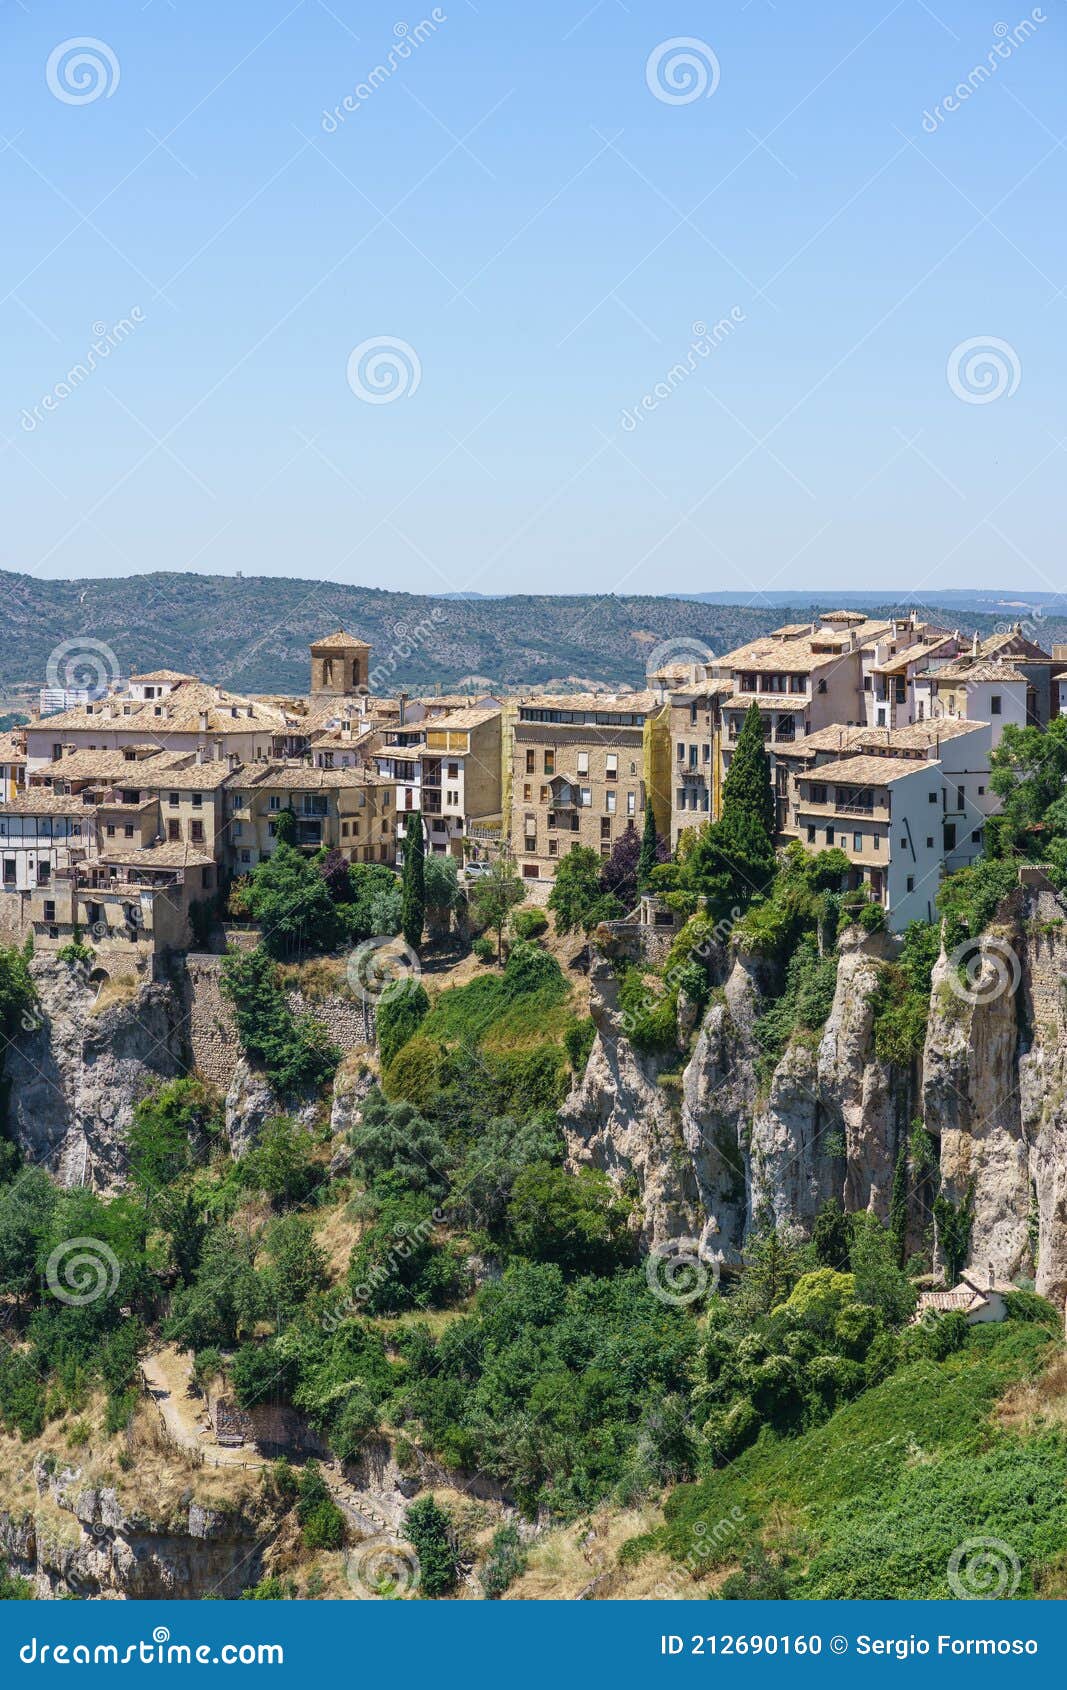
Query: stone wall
{"points": [[213, 1032], [213, 1039]]}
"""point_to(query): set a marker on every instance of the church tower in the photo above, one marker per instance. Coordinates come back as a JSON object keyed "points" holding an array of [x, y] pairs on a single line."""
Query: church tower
{"points": [[340, 666]]}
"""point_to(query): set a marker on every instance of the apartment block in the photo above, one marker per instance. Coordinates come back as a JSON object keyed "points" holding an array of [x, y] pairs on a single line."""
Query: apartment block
{"points": [[884, 813], [696, 752], [345, 809], [577, 774]]}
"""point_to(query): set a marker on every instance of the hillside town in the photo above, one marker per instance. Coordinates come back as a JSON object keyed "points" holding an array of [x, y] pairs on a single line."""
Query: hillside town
{"points": [[125, 810]]}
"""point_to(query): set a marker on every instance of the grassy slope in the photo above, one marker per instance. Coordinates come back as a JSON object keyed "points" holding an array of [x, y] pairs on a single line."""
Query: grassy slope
{"points": [[873, 1503]]}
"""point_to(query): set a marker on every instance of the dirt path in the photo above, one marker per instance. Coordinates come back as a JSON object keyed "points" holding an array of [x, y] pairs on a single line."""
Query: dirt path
{"points": [[167, 1374]]}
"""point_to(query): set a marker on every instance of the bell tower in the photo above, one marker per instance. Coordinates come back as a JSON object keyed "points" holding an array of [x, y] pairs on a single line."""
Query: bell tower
{"points": [[340, 666]]}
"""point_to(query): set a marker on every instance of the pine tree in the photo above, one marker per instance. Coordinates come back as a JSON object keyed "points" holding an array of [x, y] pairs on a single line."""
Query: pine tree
{"points": [[649, 857], [747, 787], [413, 881]]}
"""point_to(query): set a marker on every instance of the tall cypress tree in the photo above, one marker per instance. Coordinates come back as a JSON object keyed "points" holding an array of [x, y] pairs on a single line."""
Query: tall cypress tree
{"points": [[648, 858], [413, 881], [747, 787], [898, 1206]]}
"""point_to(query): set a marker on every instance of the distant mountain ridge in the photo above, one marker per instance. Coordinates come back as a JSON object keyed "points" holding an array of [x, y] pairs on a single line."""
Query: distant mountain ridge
{"points": [[251, 633]]}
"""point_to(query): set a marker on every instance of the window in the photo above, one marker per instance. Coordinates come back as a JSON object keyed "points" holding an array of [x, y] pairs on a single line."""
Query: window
{"points": [[49, 909], [811, 834], [981, 792], [609, 803], [529, 871], [611, 766], [128, 830], [693, 714], [453, 771], [198, 799], [57, 752], [550, 762], [694, 756], [44, 872], [174, 830], [583, 762], [681, 752], [9, 871], [681, 797], [822, 686], [110, 830], [961, 798], [950, 836], [910, 883], [631, 803], [587, 797], [553, 847], [878, 841], [527, 793], [976, 836], [172, 800], [932, 797], [344, 830], [274, 803], [605, 827], [829, 836], [818, 794], [857, 842], [929, 842], [197, 835], [530, 762], [994, 704], [246, 856]]}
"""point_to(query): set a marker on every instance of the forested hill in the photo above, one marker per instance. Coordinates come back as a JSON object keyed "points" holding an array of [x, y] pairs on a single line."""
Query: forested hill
{"points": [[252, 632]]}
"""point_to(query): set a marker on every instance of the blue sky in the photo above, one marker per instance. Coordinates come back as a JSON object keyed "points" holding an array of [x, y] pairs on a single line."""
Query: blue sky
{"points": [[541, 230]]}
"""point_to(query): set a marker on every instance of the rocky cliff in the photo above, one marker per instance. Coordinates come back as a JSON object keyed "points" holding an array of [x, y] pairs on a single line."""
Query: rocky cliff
{"points": [[722, 1141], [85, 1054], [82, 1538]]}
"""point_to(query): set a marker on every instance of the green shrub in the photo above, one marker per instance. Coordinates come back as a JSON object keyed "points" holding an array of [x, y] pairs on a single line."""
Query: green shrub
{"points": [[578, 1042], [428, 1528], [484, 949], [400, 1013], [529, 924], [505, 1562]]}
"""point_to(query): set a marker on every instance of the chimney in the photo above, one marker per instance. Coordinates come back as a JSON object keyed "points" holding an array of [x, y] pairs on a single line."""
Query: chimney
{"points": [[202, 721], [402, 701], [974, 644]]}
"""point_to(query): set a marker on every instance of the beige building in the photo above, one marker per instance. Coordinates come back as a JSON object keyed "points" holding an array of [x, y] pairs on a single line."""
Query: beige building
{"points": [[346, 809], [696, 752], [577, 774], [449, 767]]}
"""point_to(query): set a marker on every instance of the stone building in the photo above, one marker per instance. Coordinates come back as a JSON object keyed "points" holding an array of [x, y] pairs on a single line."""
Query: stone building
{"points": [[340, 667], [580, 769], [347, 809]]}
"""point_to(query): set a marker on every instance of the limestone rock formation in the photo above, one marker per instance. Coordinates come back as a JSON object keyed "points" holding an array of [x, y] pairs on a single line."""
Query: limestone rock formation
{"points": [[78, 1066]]}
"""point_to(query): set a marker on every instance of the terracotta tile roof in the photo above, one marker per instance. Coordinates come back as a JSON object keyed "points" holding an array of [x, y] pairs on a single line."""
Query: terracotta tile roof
{"points": [[865, 771], [473, 718], [912, 654], [340, 641], [297, 777], [10, 752], [175, 854], [979, 669], [607, 702], [766, 701], [174, 675], [39, 801]]}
